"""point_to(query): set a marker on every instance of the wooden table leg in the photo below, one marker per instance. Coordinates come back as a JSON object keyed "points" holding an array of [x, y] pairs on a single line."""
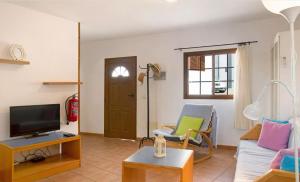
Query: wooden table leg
{"points": [[6, 164], [187, 171], [133, 174]]}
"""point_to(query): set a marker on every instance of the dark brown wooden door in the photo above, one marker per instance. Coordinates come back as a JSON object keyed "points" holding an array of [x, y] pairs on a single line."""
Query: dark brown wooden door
{"points": [[120, 97]]}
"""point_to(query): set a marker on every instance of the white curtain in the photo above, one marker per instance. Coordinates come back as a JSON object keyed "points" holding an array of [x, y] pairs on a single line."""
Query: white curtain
{"points": [[242, 89]]}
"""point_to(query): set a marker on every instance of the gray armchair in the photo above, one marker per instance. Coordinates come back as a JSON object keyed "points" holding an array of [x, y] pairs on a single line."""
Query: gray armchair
{"points": [[206, 135]]}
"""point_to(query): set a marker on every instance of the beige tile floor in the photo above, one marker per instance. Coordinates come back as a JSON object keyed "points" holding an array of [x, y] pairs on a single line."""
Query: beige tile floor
{"points": [[102, 157]]}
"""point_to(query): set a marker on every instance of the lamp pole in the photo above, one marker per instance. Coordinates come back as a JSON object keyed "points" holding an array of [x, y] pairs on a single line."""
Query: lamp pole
{"points": [[291, 14], [148, 102], [294, 88]]}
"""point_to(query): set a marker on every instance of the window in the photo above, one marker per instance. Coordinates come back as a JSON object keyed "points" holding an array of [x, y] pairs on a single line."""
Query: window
{"points": [[120, 71], [209, 74]]}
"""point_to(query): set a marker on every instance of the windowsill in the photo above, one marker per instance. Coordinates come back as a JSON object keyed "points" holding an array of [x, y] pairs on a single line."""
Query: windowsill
{"points": [[213, 97]]}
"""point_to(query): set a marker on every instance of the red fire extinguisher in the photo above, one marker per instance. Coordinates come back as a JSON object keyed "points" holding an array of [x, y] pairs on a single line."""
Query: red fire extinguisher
{"points": [[71, 106]]}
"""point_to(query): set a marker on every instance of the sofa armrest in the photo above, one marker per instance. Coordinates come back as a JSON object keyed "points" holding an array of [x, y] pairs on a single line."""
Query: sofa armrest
{"points": [[277, 175], [253, 133]]}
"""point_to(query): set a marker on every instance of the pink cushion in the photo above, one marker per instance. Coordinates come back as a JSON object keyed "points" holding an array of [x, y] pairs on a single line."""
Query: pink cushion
{"points": [[274, 136], [280, 154]]}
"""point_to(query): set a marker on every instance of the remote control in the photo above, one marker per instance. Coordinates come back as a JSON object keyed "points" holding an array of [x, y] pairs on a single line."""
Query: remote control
{"points": [[69, 135], [38, 159]]}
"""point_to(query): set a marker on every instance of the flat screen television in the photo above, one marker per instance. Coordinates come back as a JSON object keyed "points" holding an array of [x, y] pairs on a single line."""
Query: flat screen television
{"points": [[33, 120]]}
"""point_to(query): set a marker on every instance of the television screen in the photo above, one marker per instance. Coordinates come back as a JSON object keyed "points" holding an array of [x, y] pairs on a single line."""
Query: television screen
{"points": [[31, 120]]}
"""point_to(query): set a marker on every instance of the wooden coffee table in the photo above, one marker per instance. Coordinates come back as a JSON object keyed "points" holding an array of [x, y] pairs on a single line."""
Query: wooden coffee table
{"points": [[179, 160]]}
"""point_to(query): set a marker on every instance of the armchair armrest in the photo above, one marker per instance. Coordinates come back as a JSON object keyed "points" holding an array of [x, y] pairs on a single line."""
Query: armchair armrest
{"points": [[204, 134], [253, 133], [169, 126], [207, 132]]}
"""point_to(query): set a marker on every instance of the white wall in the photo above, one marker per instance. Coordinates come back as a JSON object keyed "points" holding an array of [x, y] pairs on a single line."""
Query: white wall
{"points": [[50, 44], [167, 96]]}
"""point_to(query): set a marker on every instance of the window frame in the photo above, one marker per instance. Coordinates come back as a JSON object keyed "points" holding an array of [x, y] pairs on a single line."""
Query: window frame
{"points": [[185, 73]]}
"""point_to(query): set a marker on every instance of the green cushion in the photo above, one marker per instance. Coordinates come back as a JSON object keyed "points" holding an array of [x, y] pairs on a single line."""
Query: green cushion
{"points": [[188, 122]]}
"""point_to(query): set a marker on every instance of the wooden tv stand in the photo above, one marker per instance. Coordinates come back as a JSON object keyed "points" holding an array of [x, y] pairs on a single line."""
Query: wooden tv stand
{"points": [[69, 158]]}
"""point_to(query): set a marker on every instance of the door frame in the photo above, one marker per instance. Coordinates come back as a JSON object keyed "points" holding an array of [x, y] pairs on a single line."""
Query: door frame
{"points": [[106, 92]]}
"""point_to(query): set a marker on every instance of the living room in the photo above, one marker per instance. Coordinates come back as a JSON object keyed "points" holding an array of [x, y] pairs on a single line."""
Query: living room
{"points": [[135, 68]]}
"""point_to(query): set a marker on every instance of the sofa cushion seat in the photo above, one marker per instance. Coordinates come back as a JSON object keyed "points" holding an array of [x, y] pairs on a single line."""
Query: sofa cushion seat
{"points": [[253, 161]]}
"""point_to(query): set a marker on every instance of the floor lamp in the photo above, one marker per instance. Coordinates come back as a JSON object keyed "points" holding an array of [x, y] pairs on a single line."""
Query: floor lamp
{"points": [[289, 9], [156, 70], [255, 111]]}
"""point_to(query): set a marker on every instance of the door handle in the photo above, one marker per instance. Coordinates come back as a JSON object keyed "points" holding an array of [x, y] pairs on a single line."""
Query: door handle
{"points": [[130, 95]]}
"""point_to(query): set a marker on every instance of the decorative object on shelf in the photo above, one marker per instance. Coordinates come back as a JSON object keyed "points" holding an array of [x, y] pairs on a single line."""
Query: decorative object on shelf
{"points": [[160, 146], [156, 71], [17, 52]]}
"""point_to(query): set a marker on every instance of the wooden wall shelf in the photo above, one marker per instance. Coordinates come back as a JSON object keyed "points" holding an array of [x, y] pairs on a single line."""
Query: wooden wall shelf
{"points": [[10, 61], [61, 83]]}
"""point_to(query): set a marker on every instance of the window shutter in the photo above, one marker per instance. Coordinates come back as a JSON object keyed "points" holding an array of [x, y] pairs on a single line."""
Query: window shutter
{"points": [[196, 63]]}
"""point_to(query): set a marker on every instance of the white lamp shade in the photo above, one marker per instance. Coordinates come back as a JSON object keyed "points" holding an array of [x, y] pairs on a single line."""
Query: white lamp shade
{"points": [[253, 111], [276, 6]]}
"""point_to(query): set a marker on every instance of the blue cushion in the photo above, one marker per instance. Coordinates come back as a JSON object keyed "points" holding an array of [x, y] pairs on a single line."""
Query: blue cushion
{"points": [[276, 121], [288, 163]]}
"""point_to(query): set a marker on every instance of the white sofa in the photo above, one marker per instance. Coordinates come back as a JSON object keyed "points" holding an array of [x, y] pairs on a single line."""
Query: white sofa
{"points": [[253, 162]]}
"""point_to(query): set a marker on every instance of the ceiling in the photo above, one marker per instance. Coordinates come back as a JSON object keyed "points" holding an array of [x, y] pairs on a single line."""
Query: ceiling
{"points": [[104, 19]]}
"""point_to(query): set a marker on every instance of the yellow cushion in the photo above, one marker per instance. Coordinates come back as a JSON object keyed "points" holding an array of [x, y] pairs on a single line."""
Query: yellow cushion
{"points": [[187, 123]]}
